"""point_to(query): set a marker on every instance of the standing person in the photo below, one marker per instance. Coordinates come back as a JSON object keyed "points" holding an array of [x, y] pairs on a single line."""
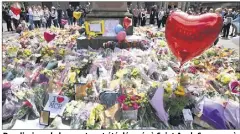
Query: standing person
{"points": [[70, 15], [77, 21], [211, 10], [135, 16], [7, 18], [54, 16], [130, 9], [82, 10], [60, 16], [164, 19], [23, 14], [143, 17], [227, 23], [36, 18], [15, 19], [235, 15], [42, 19], [217, 11], [30, 17], [47, 16], [160, 17], [152, 16], [139, 16]]}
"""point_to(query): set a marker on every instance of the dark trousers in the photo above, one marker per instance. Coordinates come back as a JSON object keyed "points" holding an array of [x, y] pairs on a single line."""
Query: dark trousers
{"points": [[135, 21], [37, 23], [139, 20], [55, 23], [9, 25], [159, 22], [226, 29], [49, 23], [143, 22], [60, 23], [15, 23], [216, 41]]}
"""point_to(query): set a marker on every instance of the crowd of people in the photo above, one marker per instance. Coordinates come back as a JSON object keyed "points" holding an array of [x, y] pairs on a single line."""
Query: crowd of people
{"points": [[160, 15], [42, 17]]}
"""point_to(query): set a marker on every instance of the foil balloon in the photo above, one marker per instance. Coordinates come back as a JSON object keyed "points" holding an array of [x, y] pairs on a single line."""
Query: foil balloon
{"points": [[127, 22], [49, 36], [188, 35], [16, 9], [118, 28], [121, 36], [77, 15]]}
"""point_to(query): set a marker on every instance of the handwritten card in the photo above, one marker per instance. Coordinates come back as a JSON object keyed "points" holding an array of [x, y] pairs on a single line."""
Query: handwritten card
{"points": [[95, 27], [56, 105], [187, 114]]}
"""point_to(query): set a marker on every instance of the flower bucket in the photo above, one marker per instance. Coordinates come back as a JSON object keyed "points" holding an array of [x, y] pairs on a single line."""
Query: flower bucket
{"points": [[130, 114]]}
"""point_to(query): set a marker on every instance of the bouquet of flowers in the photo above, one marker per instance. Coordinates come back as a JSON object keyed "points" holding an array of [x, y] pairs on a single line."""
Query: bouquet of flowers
{"points": [[129, 102], [130, 105]]}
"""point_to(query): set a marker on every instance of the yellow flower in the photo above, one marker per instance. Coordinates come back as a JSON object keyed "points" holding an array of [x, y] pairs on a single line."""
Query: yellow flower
{"points": [[4, 69], [180, 91]]}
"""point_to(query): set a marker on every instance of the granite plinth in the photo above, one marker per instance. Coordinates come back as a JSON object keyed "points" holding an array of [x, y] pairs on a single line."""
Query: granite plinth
{"points": [[96, 43]]}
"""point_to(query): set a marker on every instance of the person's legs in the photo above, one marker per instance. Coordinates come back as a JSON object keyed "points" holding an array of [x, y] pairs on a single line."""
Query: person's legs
{"points": [[39, 23], [59, 22], [49, 22], [160, 23], [71, 19], [135, 21], [224, 31], [9, 25], [216, 41], [35, 24], [15, 23], [55, 23], [228, 29], [232, 30]]}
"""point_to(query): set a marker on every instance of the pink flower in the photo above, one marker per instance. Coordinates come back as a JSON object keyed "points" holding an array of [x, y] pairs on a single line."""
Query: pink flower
{"points": [[27, 103], [135, 106], [121, 98], [125, 107], [133, 98], [192, 70]]}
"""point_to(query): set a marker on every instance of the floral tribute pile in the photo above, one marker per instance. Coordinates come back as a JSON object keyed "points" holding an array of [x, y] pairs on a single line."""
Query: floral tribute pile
{"points": [[113, 88]]}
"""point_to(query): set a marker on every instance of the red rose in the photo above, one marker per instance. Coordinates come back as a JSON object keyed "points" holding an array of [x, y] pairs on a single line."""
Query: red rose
{"points": [[27, 103], [121, 98], [125, 107], [135, 106], [133, 98]]}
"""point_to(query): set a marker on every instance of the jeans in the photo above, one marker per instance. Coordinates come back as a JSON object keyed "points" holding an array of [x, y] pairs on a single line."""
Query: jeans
{"points": [[37, 24], [159, 23], [70, 20], [55, 23], [226, 29]]}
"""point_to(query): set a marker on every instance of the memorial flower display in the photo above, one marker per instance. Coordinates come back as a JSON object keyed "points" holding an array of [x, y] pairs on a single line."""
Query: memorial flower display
{"points": [[117, 87]]}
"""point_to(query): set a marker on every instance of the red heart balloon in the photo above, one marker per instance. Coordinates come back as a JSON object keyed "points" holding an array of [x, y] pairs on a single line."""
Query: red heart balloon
{"points": [[60, 99], [15, 10], [49, 36], [64, 22], [127, 22], [188, 35]]}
